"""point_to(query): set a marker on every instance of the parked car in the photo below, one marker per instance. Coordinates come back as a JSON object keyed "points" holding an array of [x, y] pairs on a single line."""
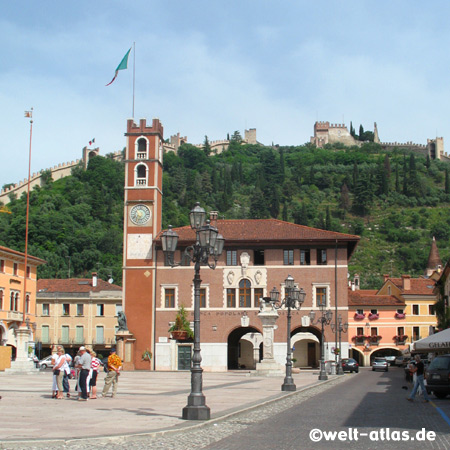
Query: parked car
{"points": [[350, 365], [398, 361], [390, 360], [438, 376], [46, 362], [380, 364]]}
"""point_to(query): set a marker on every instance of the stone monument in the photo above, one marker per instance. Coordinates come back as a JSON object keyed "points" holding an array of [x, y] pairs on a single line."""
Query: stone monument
{"points": [[268, 366]]}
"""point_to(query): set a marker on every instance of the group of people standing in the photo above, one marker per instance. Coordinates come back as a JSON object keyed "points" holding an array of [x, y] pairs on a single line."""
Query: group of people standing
{"points": [[86, 367]]}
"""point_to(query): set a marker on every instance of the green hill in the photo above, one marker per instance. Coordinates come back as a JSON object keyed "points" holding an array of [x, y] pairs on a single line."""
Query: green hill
{"points": [[396, 201]]}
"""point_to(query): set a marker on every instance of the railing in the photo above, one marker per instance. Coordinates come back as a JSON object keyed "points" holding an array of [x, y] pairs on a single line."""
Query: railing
{"points": [[65, 341]]}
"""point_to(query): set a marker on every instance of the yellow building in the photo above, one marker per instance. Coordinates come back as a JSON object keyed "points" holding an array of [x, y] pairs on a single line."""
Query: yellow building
{"points": [[13, 299], [420, 300], [75, 312]]}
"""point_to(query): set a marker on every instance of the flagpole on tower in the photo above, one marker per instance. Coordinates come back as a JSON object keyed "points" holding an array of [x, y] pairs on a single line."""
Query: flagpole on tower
{"points": [[134, 71]]}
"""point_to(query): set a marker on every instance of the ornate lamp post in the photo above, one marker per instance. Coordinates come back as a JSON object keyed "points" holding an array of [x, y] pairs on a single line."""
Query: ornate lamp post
{"points": [[325, 319], [341, 327], [209, 243], [293, 300]]}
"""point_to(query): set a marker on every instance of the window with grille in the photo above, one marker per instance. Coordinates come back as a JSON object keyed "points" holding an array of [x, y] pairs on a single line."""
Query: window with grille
{"points": [[231, 298], [231, 257], [321, 256], [305, 257], [258, 294], [321, 297], [245, 294], [169, 298], [288, 257]]}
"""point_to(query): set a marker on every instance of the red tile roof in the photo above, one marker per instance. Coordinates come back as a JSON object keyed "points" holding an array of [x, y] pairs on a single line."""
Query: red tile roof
{"points": [[369, 298], [268, 231], [74, 285], [419, 286], [31, 259]]}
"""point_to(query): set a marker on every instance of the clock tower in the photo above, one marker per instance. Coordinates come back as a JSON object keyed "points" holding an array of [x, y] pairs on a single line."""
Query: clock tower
{"points": [[142, 222]]}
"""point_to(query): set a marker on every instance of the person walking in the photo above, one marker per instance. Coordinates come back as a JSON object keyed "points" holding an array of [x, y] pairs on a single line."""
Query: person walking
{"points": [[114, 366], [84, 364], [58, 371], [419, 371]]}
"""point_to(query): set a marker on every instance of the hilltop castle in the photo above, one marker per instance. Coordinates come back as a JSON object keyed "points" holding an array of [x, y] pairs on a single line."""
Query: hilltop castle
{"points": [[326, 133]]}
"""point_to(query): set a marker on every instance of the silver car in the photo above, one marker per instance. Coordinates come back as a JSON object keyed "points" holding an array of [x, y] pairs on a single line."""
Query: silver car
{"points": [[46, 362], [380, 364]]}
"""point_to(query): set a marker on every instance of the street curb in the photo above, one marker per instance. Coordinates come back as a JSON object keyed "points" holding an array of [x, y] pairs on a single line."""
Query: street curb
{"points": [[122, 438]]}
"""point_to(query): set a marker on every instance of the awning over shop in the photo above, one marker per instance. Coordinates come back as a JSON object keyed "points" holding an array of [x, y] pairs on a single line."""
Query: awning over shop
{"points": [[433, 343]]}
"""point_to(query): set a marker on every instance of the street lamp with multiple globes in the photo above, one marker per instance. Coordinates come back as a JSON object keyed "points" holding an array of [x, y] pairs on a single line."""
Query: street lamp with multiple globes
{"points": [[293, 300], [325, 319], [341, 327], [209, 243]]}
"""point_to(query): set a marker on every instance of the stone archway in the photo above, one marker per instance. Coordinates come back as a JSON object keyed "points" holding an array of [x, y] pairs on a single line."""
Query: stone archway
{"points": [[241, 343], [357, 355], [306, 346], [384, 351]]}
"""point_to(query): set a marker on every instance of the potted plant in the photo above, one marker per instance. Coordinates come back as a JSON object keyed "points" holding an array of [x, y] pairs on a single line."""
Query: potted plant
{"points": [[181, 329], [358, 316], [400, 315], [373, 316], [147, 356]]}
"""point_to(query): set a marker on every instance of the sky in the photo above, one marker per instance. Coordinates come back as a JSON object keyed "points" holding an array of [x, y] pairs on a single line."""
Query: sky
{"points": [[208, 68]]}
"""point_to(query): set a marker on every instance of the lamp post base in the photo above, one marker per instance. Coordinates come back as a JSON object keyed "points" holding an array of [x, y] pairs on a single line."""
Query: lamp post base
{"points": [[323, 373], [200, 412], [323, 377], [288, 387]]}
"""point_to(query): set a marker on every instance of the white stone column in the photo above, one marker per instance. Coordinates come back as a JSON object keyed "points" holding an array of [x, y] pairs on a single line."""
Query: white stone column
{"points": [[268, 366], [22, 364]]}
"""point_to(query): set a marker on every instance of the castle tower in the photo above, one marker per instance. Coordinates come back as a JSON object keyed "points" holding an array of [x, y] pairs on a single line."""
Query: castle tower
{"points": [[376, 138], [142, 222], [434, 260]]}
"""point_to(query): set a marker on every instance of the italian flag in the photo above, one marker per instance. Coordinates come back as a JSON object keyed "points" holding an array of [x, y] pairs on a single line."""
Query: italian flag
{"points": [[122, 66]]}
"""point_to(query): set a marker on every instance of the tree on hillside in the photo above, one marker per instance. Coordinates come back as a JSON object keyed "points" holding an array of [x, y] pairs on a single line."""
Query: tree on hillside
{"points": [[344, 200], [447, 182], [364, 194], [206, 146]]}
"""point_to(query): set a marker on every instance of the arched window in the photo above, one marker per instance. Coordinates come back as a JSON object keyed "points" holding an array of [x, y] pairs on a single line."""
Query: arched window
{"points": [[1, 298], [141, 175], [16, 302], [245, 294], [11, 301], [27, 303], [141, 151]]}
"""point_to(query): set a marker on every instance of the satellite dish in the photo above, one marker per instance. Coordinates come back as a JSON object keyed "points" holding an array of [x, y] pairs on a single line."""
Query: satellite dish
{"points": [[110, 281]]}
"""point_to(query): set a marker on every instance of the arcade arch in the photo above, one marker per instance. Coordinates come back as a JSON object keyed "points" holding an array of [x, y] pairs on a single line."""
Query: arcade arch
{"points": [[244, 348]]}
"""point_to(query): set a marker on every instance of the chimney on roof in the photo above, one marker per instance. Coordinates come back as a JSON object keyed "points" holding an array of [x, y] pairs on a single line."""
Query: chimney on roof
{"points": [[385, 277], [213, 216], [406, 282], [356, 281], [94, 279]]}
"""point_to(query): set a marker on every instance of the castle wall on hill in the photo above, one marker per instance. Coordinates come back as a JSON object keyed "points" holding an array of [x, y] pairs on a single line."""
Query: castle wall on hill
{"points": [[217, 147], [326, 133], [60, 171]]}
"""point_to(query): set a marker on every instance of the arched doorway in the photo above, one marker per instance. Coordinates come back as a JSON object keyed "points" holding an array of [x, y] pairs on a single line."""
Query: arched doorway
{"points": [[357, 355], [306, 346], [242, 343], [383, 352]]}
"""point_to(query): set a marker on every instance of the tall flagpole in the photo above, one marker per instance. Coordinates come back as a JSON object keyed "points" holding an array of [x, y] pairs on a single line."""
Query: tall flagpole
{"points": [[30, 115], [134, 71]]}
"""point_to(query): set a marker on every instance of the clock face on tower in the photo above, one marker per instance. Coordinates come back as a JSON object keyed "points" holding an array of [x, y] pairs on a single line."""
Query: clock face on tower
{"points": [[140, 214]]}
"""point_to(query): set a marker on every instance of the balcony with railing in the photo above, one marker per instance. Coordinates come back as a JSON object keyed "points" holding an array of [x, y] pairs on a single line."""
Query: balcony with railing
{"points": [[14, 315]]}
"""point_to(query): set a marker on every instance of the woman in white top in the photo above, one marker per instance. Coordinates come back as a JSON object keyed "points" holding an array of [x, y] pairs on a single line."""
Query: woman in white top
{"points": [[58, 371], [54, 385]]}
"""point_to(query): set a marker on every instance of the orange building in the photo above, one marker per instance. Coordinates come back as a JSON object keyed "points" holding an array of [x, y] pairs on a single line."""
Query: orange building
{"points": [[16, 306]]}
